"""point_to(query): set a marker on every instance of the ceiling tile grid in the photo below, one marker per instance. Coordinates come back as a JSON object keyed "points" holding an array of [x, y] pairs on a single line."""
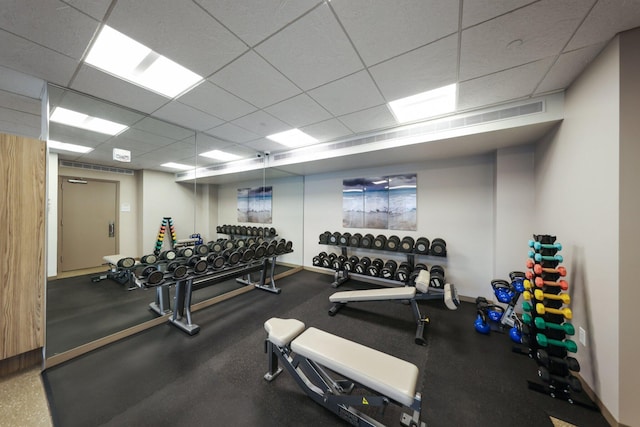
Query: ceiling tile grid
{"points": [[176, 112], [213, 100], [349, 94], [299, 111], [312, 50], [233, 133], [327, 130], [381, 29]]}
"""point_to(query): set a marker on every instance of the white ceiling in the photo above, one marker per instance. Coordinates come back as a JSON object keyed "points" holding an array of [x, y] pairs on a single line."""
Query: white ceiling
{"points": [[326, 67]]}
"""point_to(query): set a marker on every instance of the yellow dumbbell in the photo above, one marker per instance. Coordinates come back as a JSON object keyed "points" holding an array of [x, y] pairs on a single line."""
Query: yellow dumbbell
{"points": [[565, 298], [527, 284], [527, 295], [566, 312]]}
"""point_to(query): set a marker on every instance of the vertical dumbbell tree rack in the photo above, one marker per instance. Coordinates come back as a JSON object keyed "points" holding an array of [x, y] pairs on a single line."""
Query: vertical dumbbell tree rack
{"points": [[546, 316], [167, 223]]}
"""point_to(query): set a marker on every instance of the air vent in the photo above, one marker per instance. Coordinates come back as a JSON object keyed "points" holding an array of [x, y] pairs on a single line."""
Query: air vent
{"points": [[219, 167], [431, 127], [87, 166]]}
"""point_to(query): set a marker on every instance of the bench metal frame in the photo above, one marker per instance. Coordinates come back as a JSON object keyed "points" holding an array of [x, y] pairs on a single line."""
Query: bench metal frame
{"points": [[334, 394]]}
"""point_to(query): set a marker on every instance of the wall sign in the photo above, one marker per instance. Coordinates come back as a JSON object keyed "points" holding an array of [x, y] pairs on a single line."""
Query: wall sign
{"points": [[254, 205]]}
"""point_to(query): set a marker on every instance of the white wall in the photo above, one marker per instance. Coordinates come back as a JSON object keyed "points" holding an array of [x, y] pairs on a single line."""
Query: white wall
{"points": [[287, 209], [514, 216], [576, 198], [161, 197], [455, 202], [52, 215]]}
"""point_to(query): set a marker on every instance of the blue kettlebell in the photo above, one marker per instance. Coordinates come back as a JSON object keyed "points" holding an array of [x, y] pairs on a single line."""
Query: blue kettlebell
{"points": [[481, 325], [515, 335]]}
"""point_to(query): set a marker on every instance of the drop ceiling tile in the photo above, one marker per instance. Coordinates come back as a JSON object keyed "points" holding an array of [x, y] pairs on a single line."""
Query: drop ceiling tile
{"points": [[206, 143], [327, 131], [19, 123], [233, 133], [104, 86], [134, 145], [251, 78], [299, 111], [18, 83], [186, 116], [253, 21], [91, 106], [367, 120], [213, 100], [476, 11], [264, 144], [162, 128], [139, 135], [352, 93], [568, 66], [607, 18], [94, 8], [73, 135], [180, 31], [34, 60], [524, 35], [423, 69], [20, 103], [52, 24], [384, 29], [261, 123], [311, 51], [501, 87]]}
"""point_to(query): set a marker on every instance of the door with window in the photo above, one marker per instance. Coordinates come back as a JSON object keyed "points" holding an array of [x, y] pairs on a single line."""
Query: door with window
{"points": [[88, 221]]}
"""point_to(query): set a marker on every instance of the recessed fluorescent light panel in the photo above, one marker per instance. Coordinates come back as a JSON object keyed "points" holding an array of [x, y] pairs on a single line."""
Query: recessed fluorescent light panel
{"points": [[178, 166], [220, 155], [424, 105], [125, 58], [83, 121], [293, 138], [64, 146]]}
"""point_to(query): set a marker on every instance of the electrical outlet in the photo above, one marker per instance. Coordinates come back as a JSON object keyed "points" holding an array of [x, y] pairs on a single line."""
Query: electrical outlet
{"points": [[582, 336]]}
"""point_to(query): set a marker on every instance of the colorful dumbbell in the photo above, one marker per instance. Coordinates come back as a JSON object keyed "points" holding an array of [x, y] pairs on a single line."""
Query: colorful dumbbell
{"points": [[539, 295], [527, 284], [545, 342], [526, 306], [541, 309], [538, 269], [562, 284], [527, 296], [537, 246], [539, 257], [566, 327]]}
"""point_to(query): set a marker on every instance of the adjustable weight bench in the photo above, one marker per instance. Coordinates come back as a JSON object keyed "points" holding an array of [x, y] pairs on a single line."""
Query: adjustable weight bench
{"points": [[309, 354], [120, 267], [420, 292]]}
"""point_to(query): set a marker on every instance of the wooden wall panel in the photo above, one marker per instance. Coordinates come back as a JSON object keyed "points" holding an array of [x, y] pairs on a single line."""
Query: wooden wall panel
{"points": [[22, 225]]}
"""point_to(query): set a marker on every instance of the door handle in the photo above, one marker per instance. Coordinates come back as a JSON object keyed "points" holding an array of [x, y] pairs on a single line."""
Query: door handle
{"points": [[112, 229]]}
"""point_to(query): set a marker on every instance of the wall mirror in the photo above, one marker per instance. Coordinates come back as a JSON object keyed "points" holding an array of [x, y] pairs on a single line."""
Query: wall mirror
{"points": [[141, 195]]}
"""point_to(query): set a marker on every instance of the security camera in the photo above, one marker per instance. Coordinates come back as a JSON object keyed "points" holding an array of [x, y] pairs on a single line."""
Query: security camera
{"points": [[266, 153], [258, 155]]}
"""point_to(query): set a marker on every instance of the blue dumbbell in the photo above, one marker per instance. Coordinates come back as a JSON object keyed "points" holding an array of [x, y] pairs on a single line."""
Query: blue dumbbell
{"points": [[537, 246], [539, 257]]}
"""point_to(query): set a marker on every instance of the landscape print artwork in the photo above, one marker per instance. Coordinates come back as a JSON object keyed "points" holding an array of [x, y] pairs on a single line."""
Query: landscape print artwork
{"points": [[380, 202], [254, 205]]}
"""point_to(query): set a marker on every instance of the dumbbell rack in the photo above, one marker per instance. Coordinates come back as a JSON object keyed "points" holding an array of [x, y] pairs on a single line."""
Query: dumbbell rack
{"points": [[342, 275], [546, 329], [167, 222]]}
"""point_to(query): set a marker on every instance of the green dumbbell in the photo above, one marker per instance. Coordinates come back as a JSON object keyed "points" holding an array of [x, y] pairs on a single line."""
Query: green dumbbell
{"points": [[526, 318], [537, 246], [526, 306], [568, 344], [566, 327]]}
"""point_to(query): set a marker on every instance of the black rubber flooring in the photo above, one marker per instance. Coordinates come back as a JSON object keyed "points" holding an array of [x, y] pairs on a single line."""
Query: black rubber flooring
{"points": [[164, 377]]}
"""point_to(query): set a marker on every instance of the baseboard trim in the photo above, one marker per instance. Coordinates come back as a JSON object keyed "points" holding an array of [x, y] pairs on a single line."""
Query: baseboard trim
{"points": [[586, 389], [21, 362]]}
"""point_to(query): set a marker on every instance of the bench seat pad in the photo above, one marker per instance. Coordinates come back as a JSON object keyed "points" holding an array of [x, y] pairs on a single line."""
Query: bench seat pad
{"points": [[384, 294], [378, 371], [113, 259], [282, 331]]}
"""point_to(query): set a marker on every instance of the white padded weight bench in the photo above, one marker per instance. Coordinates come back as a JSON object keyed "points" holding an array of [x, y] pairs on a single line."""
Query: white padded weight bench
{"points": [[309, 354], [120, 267], [413, 294]]}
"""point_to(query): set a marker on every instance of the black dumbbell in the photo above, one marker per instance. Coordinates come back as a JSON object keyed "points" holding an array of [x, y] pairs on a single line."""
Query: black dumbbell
{"points": [[362, 265], [393, 243], [375, 267], [334, 239], [328, 260], [343, 240], [354, 240], [152, 276], [407, 244], [403, 271], [324, 238], [317, 260], [248, 255], [568, 381], [350, 263], [168, 255], [414, 273], [389, 269], [366, 241], [259, 252], [215, 260], [546, 360], [201, 250], [422, 246], [379, 242], [438, 247], [437, 277], [149, 259]]}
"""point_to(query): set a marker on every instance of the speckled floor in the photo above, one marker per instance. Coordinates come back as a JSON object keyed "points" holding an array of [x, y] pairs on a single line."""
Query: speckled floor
{"points": [[23, 401]]}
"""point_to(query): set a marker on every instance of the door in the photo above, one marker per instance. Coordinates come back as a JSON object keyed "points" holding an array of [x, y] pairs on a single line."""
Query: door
{"points": [[88, 211]]}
